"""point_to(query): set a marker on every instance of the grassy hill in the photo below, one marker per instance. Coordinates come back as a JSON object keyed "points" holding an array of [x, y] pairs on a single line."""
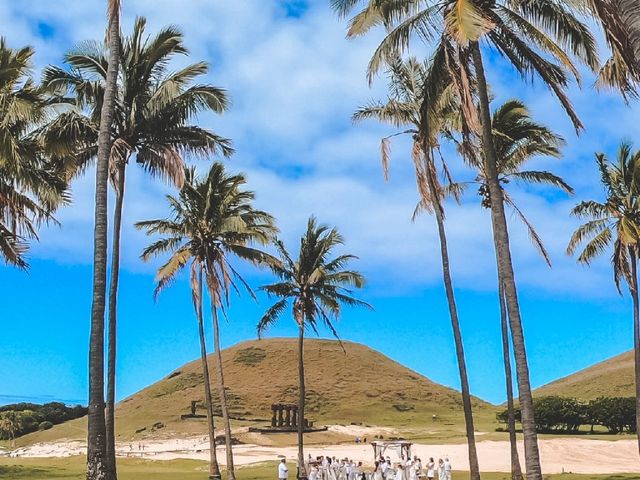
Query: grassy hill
{"points": [[358, 385], [613, 377]]}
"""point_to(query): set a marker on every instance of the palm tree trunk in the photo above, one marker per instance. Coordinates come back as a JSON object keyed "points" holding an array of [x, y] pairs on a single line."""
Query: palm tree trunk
{"points": [[112, 319], [516, 469], [636, 334], [474, 467], [302, 471], [505, 272], [231, 474], [214, 468], [96, 432]]}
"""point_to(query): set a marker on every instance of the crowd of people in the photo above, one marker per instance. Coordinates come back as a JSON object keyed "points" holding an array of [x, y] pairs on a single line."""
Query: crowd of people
{"points": [[330, 468]]}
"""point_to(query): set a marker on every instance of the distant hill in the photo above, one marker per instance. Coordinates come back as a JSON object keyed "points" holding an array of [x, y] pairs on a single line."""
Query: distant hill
{"points": [[613, 377], [357, 385]]}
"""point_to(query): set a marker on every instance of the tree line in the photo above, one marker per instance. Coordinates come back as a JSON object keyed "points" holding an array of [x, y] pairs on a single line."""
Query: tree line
{"points": [[21, 418], [556, 414], [116, 103]]}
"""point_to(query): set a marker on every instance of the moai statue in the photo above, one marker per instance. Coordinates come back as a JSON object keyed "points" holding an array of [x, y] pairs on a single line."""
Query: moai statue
{"points": [[194, 404], [274, 419], [294, 417]]}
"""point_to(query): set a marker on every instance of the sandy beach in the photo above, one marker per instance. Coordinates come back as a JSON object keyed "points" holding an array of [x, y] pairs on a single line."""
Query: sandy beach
{"points": [[558, 455]]}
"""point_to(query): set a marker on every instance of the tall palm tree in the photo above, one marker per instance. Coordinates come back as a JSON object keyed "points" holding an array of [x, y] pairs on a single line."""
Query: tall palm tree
{"points": [[616, 221], [212, 220], [31, 186], [518, 139], [97, 463], [152, 125], [317, 285], [405, 108], [196, 296], [534, 36]]}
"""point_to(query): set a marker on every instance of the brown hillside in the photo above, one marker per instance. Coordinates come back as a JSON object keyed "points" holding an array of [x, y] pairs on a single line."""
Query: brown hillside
{"points": [[613, 377], [361, 385]]}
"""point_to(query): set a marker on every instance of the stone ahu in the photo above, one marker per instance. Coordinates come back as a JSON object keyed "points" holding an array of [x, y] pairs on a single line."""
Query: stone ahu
{"points": [[285, 418]]}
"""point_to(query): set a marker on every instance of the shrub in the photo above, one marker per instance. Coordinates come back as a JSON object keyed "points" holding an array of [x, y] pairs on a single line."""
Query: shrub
{"points": [[46, 425]]}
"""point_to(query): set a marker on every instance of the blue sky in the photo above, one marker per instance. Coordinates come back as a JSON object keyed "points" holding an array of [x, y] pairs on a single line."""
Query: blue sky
{"points": [[294, 82]]}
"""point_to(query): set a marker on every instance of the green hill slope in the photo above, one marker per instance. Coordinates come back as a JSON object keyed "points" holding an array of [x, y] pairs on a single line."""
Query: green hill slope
{"points": [[613, 377]]}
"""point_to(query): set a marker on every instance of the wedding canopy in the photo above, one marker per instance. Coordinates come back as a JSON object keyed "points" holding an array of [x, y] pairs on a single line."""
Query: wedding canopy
{"points": [[402, 448]]}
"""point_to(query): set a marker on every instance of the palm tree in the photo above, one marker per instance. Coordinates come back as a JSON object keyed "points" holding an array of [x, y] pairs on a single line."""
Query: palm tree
{"points": [[534, 37], [518, 139], [621, 28], [405, 108], [617, 221], [212, 220], [98, 467], [154, 108], [317, 285], [10, 425], [196, 296], [31, 186]]}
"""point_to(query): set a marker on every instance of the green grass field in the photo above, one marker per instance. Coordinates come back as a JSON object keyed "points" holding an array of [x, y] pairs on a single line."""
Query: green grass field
{"points": [[129, 469]]}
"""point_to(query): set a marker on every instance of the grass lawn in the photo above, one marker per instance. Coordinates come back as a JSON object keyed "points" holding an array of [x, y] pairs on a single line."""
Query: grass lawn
{"points": [[72, 468], [131, 469]]}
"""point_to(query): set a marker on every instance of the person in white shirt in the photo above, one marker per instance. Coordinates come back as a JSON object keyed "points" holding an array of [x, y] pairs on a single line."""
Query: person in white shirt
{"points": [[441, 474], [447, 469], [431, 469], [400, 472], [283, 471], [390, 472], [417, 464], [413, 470], [313, 471]]}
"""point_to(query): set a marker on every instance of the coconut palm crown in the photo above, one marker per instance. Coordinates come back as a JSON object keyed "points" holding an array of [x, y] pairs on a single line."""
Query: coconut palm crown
{"points": [[538, 38], [154, 107], [212, 220], [316, 284], [518, 140], [31, 186], [616, 221]]}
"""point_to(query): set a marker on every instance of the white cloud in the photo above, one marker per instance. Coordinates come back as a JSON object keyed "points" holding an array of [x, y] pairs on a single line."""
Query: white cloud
{"points": [[294, 84]]}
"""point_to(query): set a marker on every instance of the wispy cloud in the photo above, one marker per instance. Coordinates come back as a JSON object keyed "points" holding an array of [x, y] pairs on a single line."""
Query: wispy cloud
{"points": [[294, 81]]}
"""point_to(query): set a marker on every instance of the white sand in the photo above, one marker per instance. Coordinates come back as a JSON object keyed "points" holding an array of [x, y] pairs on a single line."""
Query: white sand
{"points": [[562, 454]]}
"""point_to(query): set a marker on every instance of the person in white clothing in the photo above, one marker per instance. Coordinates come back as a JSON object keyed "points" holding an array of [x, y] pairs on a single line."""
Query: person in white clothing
{"points": [[390, 472], [413, 473], [399, 472], [418, 466], [283, 471], [313, 471], [377, 471], [431, 469], [348, 468], [447, 469], [441, 474]]}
